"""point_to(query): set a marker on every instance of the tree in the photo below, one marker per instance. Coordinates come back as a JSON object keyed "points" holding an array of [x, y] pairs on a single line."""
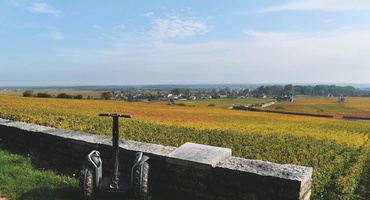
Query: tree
{"points": [[28, 93], [260, 90], [306, 90], [106, 95], [244, 91], [228, 90], [223, 92], [44, 95], [64, 96], [277, 90], [177, 91], [79, 96], [320, 90], [289, 89], [130, 98], [152, 97]]}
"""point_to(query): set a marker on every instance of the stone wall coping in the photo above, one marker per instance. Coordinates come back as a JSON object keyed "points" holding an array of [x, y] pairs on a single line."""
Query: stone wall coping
{"points": [[265, 168], [91, 138]]}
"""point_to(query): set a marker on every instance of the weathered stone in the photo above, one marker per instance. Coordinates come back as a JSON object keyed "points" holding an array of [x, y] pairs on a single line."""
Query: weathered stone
{"points": [[146, 147], [198, 155], [305, 192], [299, 174], [307, 196]]}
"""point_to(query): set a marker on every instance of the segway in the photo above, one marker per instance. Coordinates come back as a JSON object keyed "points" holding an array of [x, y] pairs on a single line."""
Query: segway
{"points": [[91, 176]]}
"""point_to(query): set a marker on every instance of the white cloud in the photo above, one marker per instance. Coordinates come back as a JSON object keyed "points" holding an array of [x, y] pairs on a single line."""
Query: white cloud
{"points": [[322, 5], [177, 28], [148, 14], [177, 25], [43, 8], [122, 26], [54, 35], [268, 35], [96, 26]]}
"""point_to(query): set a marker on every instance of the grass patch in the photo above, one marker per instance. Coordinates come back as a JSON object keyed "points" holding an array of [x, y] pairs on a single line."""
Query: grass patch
{"points": [[20, 179]]}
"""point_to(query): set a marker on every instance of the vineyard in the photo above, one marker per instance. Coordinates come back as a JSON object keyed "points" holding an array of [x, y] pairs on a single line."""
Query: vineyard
{"points": [[352, 106], [222, 103], [337, 149]]}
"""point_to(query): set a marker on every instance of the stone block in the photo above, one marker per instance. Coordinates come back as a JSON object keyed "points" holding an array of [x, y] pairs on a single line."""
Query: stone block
{"points": [[295, 176], [198, 156], [282, 180]]}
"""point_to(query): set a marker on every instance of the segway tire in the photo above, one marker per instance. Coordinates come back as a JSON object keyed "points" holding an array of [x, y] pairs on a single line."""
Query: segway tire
{"points": [[141, 178], [86, 182]]}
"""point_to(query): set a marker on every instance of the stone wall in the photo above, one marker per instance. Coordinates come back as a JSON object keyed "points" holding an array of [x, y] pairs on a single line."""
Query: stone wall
{"points": [[357, 118], [191, 171], [282, 112]]}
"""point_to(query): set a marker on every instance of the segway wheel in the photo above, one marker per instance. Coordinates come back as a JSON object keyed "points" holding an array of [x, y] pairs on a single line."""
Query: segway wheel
{"points": [[86, 180], [141, 178]]}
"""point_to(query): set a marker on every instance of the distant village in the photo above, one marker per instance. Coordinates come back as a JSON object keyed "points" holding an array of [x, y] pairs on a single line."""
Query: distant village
{"points": [[279, 93], [178, 94]]}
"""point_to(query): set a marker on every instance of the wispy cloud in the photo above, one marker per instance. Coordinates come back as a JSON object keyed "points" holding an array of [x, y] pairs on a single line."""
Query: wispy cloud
{"points": [[122, 26], [268, 35], [14, 3], [96, 26], [322, 5], [54, 35], [178, 24], [320, 57], [148, 14], [333, 54], [43, 8]]}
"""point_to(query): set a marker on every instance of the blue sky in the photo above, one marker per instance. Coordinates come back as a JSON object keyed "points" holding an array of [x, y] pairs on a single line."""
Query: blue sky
{"points": [[123, 42]]}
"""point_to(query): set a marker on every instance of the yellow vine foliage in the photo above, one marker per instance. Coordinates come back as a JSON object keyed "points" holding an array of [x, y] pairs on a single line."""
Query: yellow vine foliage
{"points": [[336, 149]]}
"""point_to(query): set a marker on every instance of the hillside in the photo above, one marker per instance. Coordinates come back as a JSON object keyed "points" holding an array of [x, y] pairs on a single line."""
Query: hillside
{"points": [[336, 149], [353, 106]]}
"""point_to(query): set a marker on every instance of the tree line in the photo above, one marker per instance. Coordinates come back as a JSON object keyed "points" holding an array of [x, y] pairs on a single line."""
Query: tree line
{"points": [[309, 90], [132, 94], [30, 93]]}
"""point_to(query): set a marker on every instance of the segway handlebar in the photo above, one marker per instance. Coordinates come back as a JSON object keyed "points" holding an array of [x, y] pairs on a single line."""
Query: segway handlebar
{"points": [[115, 115]]}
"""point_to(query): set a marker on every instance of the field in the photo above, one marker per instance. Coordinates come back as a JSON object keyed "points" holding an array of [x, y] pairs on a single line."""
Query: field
{"points": [[336, 149], [352, 106]]}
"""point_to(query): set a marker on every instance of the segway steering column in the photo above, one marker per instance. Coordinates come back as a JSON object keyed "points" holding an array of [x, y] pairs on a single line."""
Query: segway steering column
{"points": [[115, 139]]}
